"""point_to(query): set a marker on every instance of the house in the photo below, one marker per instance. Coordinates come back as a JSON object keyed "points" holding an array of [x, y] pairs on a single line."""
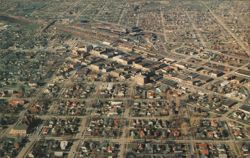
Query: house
{"points": [[223, 155], [228, 103], [214, 73], [170, 83], [238, 80], [83, 49], [58, 154], [19, 130], [97, 51], [205, 78], [63, 145], [141, 79], [180, 65], [122, 59], [116, 73], [108, 54], [15, 102], [96, 66], [125, 47], [144, 65]]}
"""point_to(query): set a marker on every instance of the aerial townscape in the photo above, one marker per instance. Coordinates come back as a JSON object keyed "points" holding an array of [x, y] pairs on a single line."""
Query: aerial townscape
{"points": [[124, 78]]}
